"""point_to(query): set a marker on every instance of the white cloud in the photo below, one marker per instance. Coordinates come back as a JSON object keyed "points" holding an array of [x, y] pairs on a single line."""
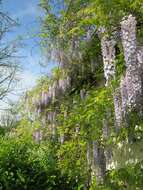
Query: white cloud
{"points": [[27, 80]]}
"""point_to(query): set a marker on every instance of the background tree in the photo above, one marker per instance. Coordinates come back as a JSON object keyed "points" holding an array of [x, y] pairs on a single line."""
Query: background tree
{"points": [[8, 56]]}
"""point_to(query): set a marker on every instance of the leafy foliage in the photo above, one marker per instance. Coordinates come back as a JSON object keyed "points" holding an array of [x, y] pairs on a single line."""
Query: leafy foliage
{"points": [[69, 33]]}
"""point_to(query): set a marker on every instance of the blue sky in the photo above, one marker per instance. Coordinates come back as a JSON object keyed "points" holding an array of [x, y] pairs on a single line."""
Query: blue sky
{"points": [[27, 13]]}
